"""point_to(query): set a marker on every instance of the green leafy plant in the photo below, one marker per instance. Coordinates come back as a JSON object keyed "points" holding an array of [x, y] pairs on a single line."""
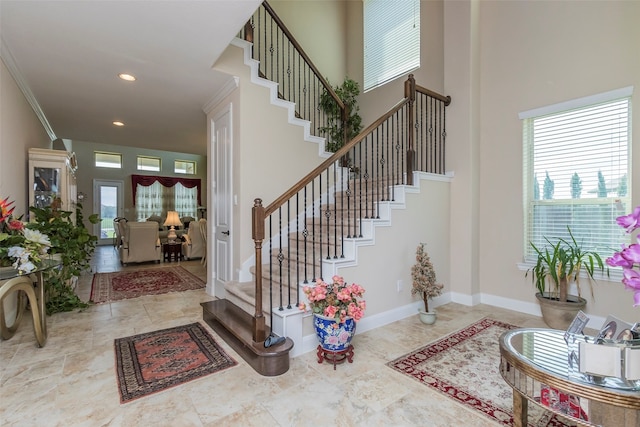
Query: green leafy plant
{"points": [[73, 243], [336, 128], [560, 264]]}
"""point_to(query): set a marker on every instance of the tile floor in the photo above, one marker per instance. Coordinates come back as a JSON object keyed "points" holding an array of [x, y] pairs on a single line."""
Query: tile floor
{"points": [[71, 381]]}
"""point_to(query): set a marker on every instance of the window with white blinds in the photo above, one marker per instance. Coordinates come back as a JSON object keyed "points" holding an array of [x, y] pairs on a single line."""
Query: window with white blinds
{"points": [[577, 172], [391, 40]]}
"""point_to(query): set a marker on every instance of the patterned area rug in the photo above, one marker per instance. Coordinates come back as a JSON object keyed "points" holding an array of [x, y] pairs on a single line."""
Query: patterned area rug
{"points": [[155, 361], [107, 287], [465, 367]]}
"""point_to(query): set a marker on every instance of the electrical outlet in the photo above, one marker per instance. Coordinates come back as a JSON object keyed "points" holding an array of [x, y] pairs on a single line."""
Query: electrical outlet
{"points": [[400, 285]]}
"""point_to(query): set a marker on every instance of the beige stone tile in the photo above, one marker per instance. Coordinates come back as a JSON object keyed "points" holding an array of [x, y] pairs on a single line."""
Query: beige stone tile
{"points": [[234, 389], [23, 403], [254, 415], [55, 346], [30, 371], [314, 401]]}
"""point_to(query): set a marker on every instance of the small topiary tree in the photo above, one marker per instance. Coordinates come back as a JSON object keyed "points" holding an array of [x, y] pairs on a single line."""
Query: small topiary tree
{"points": [[424, 278]]}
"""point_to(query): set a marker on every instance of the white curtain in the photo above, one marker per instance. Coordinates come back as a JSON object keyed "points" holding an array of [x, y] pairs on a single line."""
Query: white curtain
{"points": [[158, 200], [149, 201], [186, 200]]}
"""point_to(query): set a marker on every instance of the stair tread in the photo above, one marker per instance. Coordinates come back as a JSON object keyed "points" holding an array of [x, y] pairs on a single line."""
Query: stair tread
{"points": [[239, 323], [235, 327]]}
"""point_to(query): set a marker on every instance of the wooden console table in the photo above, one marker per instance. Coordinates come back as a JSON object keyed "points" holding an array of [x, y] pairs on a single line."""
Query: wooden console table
{"points": [[531, 359], [10, 282]]}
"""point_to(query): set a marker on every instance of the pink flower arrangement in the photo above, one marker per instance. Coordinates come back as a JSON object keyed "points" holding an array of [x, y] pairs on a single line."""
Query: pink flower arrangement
{"points": [[337, 299], [629, 257]]}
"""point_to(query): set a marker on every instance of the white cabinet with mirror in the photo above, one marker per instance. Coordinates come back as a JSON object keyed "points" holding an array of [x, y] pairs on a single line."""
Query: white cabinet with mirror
{"points": [[51, 175]]}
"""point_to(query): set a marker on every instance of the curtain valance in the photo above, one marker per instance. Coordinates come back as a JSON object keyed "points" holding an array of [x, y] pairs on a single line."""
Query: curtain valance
{"points": [[166, 181]]}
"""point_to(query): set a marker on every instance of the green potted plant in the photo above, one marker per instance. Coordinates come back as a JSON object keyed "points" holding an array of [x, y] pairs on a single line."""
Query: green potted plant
{"points": [[557, 266], [424, 284], [336, 128], [73, 244]]}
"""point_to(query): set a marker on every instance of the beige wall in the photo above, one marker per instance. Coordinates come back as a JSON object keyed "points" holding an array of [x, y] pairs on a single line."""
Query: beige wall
{"points": [[87, 171], [20, 129], [503, 58], [269, 155], [331, 32], [307, 20], [380, 267]]}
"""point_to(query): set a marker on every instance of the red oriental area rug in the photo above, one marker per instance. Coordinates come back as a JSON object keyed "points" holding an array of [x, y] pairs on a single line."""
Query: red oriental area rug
{"points": [[155, 361], [107, 287], [465, 366]]}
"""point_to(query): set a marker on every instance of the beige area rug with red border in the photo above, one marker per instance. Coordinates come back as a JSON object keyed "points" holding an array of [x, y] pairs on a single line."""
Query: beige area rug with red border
{"points": [[465, 366], [107, 287]]}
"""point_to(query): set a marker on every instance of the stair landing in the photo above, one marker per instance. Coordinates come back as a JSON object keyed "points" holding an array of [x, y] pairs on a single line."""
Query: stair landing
{"points": [[235, 326]]}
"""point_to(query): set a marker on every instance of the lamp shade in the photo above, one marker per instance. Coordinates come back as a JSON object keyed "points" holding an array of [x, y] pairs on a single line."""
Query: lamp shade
{"points": [[173, 220]]}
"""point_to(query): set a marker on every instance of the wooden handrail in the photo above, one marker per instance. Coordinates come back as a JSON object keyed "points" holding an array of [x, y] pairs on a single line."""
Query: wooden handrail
{"points": [[335, 157], [436, 95], [304, 55]]}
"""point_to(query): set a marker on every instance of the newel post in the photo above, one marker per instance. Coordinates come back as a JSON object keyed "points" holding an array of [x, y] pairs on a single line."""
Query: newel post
{"points": [[257, 226], [410, 92], [248, 32]]}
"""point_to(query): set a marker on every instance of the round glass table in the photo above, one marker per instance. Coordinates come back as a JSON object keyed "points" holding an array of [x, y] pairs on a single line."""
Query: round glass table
{"points": [[536, 364]]}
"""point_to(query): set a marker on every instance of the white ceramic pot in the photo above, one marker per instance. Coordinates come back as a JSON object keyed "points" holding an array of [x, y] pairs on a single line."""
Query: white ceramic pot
{"points": [[427, 317]]}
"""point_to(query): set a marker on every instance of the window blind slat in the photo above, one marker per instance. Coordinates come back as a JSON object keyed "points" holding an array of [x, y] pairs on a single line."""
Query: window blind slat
{"points": [[391, 40]]}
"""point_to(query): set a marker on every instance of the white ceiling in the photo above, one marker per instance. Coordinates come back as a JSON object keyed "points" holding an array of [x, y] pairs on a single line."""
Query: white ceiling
{"points": [[69, 54]]}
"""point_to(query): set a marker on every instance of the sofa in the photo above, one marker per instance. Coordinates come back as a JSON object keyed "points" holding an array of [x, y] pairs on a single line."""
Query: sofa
{"points": [[140, 243], [193, 244]]}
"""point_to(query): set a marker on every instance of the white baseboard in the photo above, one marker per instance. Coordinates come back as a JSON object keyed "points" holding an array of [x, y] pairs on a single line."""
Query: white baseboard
{"points": [[310, 342]]}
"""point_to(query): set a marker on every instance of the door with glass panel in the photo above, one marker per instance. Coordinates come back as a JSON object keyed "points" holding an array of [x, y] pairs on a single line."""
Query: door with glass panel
{"points": [[108, 203]]}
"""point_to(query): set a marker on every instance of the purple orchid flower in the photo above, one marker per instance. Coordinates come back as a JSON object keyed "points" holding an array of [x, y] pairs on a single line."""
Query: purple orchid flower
{"points": [[631, 281], [630, 222], [617, 260]]}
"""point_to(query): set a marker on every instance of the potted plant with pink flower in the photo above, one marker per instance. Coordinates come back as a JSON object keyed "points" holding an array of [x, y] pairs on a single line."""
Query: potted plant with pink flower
{"points": [[336, 307], [629, 256]]}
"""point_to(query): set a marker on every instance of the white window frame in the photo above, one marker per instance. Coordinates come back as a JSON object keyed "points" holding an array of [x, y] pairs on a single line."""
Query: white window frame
{"points": [[186, 170], [146, 163], [614, 205], [107, 165]]}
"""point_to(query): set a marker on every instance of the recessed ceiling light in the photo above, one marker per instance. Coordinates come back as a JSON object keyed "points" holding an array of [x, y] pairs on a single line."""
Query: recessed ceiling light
{"points": [[116, 123], [127, 77]]}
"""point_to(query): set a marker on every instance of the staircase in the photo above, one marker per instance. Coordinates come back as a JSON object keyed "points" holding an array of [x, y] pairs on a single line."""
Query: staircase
{"points": [[315, 227]]}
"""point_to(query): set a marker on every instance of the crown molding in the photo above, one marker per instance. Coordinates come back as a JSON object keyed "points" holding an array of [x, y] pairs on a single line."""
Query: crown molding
{"points": [[10, 62], [226, 89]]}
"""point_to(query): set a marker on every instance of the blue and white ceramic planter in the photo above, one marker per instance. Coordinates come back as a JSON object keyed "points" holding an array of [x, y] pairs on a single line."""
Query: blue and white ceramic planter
{"points": [[334, 338]]}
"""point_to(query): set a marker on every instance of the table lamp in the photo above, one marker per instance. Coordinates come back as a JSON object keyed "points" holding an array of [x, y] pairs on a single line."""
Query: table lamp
{"points": [[172, 221]]}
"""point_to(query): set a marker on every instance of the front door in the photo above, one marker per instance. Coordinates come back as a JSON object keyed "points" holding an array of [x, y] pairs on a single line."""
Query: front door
{"points": [[222, 205], [108, 201]]}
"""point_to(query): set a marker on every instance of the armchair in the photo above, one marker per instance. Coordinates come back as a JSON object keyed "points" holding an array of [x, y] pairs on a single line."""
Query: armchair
{"points": [[193, 244], [140, 243], [118, 228]]}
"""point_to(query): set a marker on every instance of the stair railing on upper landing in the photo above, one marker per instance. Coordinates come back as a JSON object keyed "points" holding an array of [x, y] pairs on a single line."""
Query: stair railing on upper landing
{"points": [[282, 60], [308, 224]]}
